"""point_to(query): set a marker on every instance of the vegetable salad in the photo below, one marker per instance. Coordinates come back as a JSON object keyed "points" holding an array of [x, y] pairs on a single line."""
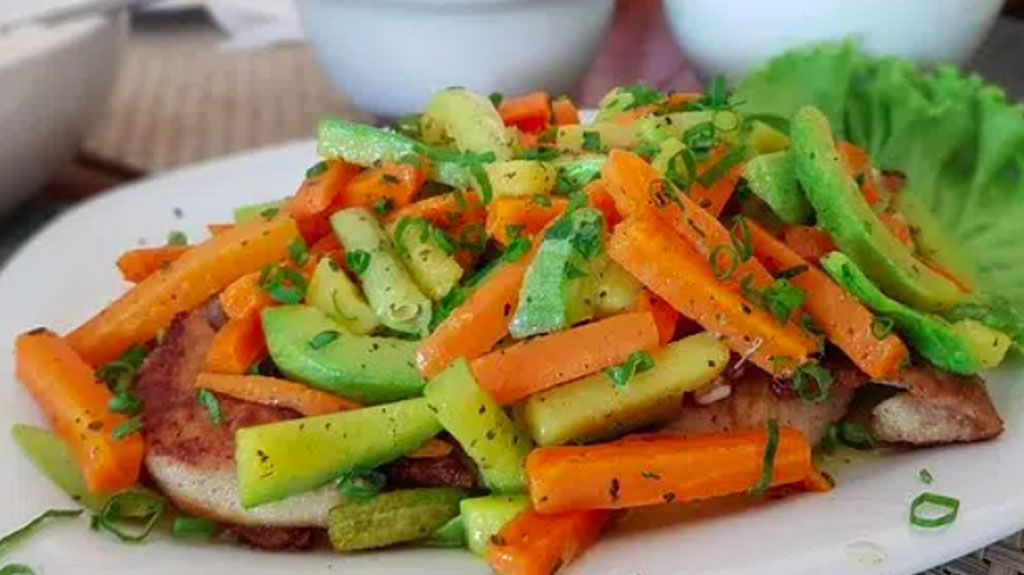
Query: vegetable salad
{"points": [[497, 285]]}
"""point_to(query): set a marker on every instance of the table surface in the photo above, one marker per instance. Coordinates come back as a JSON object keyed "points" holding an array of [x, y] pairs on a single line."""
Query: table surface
{"points": [[179, 100]]}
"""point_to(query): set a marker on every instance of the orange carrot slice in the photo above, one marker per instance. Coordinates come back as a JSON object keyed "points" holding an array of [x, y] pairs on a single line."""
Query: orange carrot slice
{"points": [[564, 112], [244, 297], [663, 469], [538, 544], [195, 277], [809, 243], [137, 265], [530, 217], [64, 387], [217, 229], [515, 372], [665, 316], [670, 268], [714, 197], [237, 345], [392, 182], [844, 320], [530, 113], [275, 392]]}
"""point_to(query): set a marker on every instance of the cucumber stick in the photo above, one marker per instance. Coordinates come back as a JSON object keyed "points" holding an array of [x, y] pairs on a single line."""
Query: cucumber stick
{"points": [[469, 121], [435, 271], [547, 291], [451, 534], [332, 292], [481, 426], [393, 517], [289, 457], [51, 456], [593, 408], [252, 211], [485, 516], [362, 368], [392, 293], [606, 290]]}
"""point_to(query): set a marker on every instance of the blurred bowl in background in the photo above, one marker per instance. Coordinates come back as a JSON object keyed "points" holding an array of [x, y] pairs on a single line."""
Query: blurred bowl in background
{"points": [[54, 82], [727, 37], [389, 56]]}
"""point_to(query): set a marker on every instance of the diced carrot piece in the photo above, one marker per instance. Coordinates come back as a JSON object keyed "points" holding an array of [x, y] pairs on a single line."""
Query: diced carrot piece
{"points": [[564, 112], [398, 183], [665, 316], [669, 267], [237, 345], [844, 320], [137, 265], [530, 113], [65, 388], [714, 197], [276, 392], [515, 372], [312, 204], [525, 214], [189, 281], [599, 198], [680, 98], [663, 469], [244, 297], [217, 229], [444, 211], [538, 544]]}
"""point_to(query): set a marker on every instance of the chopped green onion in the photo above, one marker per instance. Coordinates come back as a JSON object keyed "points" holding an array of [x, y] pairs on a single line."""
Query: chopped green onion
{"points": [[637, 362], [143, 506], [125, 402], [672, 172], [358, 261], [496, 98], [284, 284], [779, 123], [717, 96], [538, 154], [24, 532], [817, 391], [120, 374], [782, 298], [950, 507], [297, 251], [830, 441], [404, 224], [573, 272], [592, 141], [542, 200], [473, 238], [127, 428], [194, 527], [207, 399], [177, 238], [720, 272], [721, 167], [646, 150], [383, 206], [768, 461], [316, 169], [642, 94], [361, 484], [881, 327], [324, 338], [700, 137], [17, 569], [270, 213], [742, 242], [856, 436], [926, 476], [480, 175], [442, 239]]}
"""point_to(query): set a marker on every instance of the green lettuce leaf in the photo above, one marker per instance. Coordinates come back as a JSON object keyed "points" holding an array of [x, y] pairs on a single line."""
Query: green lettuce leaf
{"points": [[957, 139]]}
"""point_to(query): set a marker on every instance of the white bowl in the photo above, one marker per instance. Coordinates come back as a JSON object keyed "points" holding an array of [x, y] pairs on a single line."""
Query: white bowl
{"points": [[389, 56], [733, 36], [53, 82]]}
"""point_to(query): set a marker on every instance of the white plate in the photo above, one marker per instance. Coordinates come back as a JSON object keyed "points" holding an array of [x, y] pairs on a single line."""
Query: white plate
{"points": [[67, 272]]}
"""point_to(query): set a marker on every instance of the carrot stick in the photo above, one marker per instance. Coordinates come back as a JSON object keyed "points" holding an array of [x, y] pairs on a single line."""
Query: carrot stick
{"points": [[665, 469], [327, 245], [670, 268], [530, 113], [637, 188], [809, 243], [217, 229], [478, 324], [538, 544], [244, 297], [275, 392], [714, 197], [188, 282], [843, 319], [318, 193], [397, 183], [137, 265], [523, 213], [237, 345], [444, 211], [564, 112], [665, 316], [600, 198], [680, 98], [515, 372], [65, 388]]}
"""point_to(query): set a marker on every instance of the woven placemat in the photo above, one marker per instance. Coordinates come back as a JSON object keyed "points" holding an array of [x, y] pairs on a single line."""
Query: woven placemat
{"points": [[180, 99]]}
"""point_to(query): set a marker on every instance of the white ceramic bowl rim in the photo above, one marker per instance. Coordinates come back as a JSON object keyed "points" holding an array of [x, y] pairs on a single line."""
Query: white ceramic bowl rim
{"points": [[50, 39], [469, 4]]}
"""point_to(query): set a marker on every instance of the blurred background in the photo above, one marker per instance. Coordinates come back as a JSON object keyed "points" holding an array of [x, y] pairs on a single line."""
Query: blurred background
{"points": [[89, 102]]}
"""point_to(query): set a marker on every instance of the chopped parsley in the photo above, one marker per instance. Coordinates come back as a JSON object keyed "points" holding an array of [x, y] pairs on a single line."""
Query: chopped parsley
{"points": [[771, 445], [637, 362], [324, 338], [358, 261], [208, 400], [177, 238], [592, 141]]}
